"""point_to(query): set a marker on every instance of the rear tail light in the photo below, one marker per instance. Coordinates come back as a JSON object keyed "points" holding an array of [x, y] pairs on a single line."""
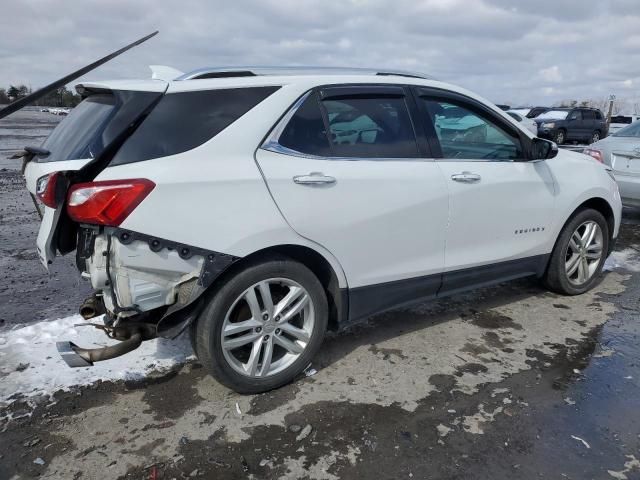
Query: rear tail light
{"points": [[46, 187], [108, 202], [592, 152]]}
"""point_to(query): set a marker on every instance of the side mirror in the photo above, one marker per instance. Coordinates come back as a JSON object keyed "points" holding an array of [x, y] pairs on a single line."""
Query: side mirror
{"points": [[542, 149]]}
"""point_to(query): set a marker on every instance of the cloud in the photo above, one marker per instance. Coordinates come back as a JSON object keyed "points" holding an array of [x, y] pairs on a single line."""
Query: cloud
{"points": [[551, 74], [522, 52]]}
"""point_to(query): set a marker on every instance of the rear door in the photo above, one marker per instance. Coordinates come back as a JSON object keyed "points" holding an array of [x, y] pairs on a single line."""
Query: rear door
{"points": [[500, 205], [575, 127], [348, 171], [589, 124]]}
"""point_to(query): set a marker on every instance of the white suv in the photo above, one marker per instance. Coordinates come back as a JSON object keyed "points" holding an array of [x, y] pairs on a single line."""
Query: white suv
{"points": [[260, 208]]}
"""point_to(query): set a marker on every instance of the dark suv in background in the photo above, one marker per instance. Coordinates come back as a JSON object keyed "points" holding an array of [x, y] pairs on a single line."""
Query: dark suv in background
{"points": [[580, 124]]}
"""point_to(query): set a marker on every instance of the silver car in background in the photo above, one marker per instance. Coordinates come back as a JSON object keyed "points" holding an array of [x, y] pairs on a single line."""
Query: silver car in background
{"points": [[621, 151]]}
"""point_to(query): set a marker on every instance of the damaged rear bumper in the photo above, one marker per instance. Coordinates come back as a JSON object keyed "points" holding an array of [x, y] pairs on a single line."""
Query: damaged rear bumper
{"points": [[146, 286]]}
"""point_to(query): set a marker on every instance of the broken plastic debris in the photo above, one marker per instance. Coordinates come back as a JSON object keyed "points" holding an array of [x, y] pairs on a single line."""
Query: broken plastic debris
{"points": [[38, 461], [304, 433], [580, 440], [238, 409], [568, 401], [311, 371]]}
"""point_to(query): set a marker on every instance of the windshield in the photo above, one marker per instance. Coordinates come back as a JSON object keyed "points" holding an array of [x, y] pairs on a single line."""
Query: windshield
{"points": [[78, 135], [632, 130], [553, 115]]}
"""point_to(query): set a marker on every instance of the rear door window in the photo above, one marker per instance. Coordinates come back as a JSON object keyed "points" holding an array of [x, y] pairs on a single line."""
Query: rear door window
{"points": [[370, 127], [305, 132], [183, 121], [588, 115], [78, 135]]}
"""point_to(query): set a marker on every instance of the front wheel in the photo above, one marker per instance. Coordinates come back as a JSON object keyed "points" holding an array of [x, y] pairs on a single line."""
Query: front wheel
{"points": [[262, 327], [560, 137], [579, 254], [594, 137]]}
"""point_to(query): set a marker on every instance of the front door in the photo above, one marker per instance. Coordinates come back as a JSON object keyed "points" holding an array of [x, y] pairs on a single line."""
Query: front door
{"points": [[347, 172], [500, 205]]}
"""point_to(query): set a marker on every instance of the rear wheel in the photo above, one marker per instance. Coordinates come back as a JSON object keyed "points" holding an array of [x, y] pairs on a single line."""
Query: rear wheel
{"points": [[594, 137], [579, 254], [263, 327]]}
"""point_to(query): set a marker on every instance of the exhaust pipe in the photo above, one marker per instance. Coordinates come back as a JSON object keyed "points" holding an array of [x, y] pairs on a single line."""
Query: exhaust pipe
{"points": [[130, 336], [93, 306], [76, 356]]}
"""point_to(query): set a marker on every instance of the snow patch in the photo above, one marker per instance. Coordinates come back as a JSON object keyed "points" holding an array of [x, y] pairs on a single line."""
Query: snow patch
{"points": [[31, 366], [627, 259]]}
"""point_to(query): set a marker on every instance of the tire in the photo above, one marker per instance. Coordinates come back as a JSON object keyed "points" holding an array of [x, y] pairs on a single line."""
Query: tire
{"points": [[560, 275], [595, 136], [192, 337], [241, 299], [560, 137]]}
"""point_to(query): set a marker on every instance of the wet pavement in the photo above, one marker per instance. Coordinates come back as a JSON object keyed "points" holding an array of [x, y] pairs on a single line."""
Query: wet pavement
{"points": [[504, 382]]}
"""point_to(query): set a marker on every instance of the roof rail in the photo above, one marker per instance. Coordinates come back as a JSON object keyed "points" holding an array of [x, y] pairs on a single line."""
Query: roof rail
{"points": [[225, 72]]}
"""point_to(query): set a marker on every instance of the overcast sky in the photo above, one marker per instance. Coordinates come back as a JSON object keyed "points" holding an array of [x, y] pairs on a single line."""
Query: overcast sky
{"points": [[530, 51]]}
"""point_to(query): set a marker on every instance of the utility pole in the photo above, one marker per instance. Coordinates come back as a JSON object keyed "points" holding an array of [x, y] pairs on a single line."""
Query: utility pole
{"points": [[612, 97]]}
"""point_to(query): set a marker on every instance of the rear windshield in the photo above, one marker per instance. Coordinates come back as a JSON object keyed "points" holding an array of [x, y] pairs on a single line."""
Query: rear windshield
{"points": [[78, 135], [95, 123], [621, 119], [182, 121], [632, 130]]}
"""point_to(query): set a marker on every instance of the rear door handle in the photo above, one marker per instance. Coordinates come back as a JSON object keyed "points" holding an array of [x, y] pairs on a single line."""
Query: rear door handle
{"points": [[466, 177], [314, 178]]}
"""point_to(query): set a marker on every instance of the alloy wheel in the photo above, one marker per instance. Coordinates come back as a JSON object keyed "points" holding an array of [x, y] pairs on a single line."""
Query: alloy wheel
{"points": [[560, 137], [595, 137], [584, 253], [267, 327]]}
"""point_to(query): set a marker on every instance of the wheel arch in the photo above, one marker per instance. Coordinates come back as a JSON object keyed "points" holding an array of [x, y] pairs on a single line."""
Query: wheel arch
{"points": [[599, 204], [337, 296]]}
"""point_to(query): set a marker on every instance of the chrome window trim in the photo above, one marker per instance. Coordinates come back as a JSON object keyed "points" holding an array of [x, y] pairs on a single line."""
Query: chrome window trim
{"points": [[272, 144], [493, 160]]}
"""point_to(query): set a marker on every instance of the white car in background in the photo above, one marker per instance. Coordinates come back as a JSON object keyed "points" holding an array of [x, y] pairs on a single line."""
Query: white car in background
{"points": [[259, 208], [527, 123]]}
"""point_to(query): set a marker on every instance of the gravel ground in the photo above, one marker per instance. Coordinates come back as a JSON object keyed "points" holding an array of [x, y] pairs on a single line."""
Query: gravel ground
{"points": [[504, 382]]}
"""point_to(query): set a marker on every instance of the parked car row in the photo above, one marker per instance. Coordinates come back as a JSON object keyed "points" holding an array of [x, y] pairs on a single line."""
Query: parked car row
{"points": [[577, 124], [56, 111], [621, 152]]}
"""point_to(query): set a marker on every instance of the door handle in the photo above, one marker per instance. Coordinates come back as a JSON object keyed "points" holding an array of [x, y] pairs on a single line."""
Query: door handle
{"points": [[314, 178], [466, 177]]}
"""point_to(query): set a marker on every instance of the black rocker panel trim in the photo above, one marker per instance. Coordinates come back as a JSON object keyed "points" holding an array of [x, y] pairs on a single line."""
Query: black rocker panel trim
{"points": [[369, 300], [372, 299], [468, 278]]}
